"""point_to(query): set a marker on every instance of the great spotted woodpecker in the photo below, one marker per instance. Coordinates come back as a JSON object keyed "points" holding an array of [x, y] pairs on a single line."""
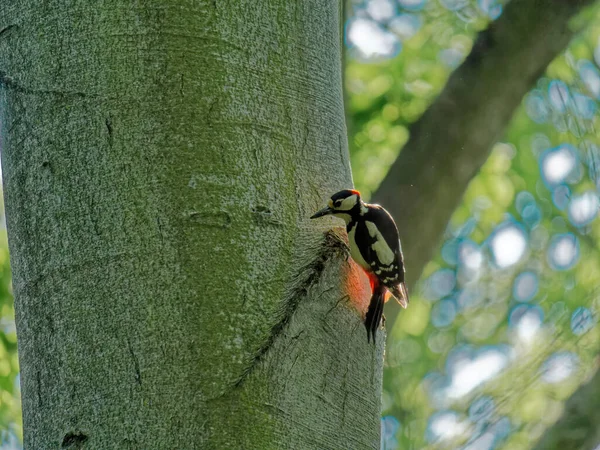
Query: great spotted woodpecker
{"points": [[374, 245]]}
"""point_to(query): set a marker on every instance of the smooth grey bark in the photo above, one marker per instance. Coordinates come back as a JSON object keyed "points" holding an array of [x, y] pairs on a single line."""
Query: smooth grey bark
{"points": [[579, 426], [160, 163], [451, 141]]}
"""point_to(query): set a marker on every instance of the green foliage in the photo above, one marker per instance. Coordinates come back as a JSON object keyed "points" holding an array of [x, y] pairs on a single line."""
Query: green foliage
{"points": [[466, 308], [471, 341], [10, 404], [385, 96]]}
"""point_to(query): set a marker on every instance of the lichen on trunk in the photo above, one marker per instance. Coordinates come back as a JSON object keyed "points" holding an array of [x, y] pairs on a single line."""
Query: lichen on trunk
{"points": [[160, 162]]}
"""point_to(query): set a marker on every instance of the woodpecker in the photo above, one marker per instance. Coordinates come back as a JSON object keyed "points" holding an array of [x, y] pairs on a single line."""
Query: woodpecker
{"points": [[375, 246]]}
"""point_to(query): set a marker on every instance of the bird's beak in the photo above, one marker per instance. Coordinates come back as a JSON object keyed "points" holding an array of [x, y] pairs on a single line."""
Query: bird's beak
{"points": [[322, 212]]}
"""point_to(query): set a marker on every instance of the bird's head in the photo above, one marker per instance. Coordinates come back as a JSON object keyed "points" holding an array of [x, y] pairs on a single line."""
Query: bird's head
{"points": [[343, 204]]}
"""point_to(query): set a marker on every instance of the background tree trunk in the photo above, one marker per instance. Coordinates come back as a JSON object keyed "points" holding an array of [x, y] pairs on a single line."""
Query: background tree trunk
{"points": [[579, 426], [160, 162], [453, 139]]}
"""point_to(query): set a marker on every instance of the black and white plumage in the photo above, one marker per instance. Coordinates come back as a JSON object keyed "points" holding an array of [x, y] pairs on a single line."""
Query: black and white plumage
{"points": [[375, 246]]}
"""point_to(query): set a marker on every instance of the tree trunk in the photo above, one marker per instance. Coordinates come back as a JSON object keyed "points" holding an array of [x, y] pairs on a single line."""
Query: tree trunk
{"points": [[160, 163], [579, 426], [453, 139]]}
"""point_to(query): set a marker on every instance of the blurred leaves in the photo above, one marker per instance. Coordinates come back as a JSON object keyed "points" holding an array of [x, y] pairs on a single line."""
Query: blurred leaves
{"points": [[503, 327], [10, 404], [385, 95]]}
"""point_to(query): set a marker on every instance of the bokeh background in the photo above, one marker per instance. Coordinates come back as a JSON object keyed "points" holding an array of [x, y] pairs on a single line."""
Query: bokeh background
{"points": [[502, 327]]}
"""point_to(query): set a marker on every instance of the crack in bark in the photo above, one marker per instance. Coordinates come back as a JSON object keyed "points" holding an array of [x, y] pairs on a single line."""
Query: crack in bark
{"points": [[109, 129], [10, 83], [8, 28], [308, 276], [341, 147], [15, 122], [211, 108], [136, 364]]}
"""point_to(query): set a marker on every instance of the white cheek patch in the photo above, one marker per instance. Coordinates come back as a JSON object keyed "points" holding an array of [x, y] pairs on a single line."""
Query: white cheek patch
{"points": [[383, 251], [348, 203], [344, 216]]}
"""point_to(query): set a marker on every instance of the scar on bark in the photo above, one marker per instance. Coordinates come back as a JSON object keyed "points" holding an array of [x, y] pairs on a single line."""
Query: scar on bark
{"points": [[5, 30], [211, 219], [74, 440], [307, 276]]}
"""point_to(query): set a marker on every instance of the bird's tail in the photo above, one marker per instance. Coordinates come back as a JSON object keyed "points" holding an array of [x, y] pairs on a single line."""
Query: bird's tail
{"points": [[400, 292], [374, 312]]}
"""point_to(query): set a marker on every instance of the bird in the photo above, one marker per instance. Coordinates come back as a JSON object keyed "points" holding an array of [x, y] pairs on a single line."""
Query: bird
{"points": [[375, 247]]}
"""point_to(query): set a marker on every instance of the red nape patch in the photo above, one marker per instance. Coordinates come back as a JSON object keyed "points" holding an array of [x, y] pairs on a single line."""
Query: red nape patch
{"points": [[355, 192], [357, 286]]}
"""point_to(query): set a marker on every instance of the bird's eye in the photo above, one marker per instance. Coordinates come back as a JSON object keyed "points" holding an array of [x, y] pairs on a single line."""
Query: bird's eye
{"points": [[337, 203]]}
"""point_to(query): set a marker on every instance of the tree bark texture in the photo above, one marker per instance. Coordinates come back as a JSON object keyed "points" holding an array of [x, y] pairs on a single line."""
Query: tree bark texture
{"points": [[579, 426], [451, 141], [160, 161]]}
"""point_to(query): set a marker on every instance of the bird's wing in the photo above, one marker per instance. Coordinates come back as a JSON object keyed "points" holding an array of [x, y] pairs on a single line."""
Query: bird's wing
{"points": [[363, 241], [389, 232]]}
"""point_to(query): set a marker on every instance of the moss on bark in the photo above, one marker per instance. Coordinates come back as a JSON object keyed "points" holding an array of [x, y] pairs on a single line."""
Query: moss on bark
{"points": [[160, 161]]}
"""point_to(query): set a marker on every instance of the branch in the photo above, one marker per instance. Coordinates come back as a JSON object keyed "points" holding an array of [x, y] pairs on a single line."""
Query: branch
{"points": [[579, 426], [451, 141]]}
